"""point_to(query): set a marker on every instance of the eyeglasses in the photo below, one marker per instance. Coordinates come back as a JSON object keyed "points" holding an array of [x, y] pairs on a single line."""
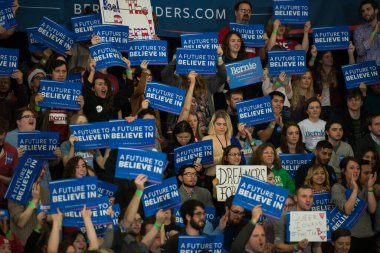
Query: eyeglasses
{"points": [[234, 154], [38, 77], [138, 221], [237, 212], [245, 11], [28, 116], [183, 137], [190, 174], [199, 214]]}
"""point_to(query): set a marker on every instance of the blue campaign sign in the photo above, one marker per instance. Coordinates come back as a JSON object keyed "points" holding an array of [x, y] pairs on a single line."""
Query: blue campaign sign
{"points": [[322, 202], [91, 135], [200, 41], [194, 244], [338, 219], [331, 38], [74, 78], [4, 213], [291, 162], [106, 189], [164, 97], [33, 44], [132, 162], [292, 62], [83, 26], [153, 51], [106, 56], [43, 208], [26, 172], [251, 34], [140, 133], [73, 194], [202, 61], [255, 111], [363, 72], [244, 72], [161, 196], [60, 94], [55, 36], [39, 144], [99, 215], [291, 11], [116, 211], [188, 154], [116, 35], [8, 61], [252, 192], [7, 18]]}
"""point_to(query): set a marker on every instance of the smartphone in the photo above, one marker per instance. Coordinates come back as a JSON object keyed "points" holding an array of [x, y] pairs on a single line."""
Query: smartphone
{"points": [[197, 160]]}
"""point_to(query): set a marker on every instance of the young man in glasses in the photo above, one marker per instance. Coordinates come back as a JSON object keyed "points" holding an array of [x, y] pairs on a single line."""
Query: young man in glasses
{"points": [[188, 176]]}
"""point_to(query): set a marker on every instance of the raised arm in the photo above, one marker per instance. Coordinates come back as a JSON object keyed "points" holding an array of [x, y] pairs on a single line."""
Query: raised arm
{"points": [[189, 96], [54, 238], [90, 230], [133, 206]]}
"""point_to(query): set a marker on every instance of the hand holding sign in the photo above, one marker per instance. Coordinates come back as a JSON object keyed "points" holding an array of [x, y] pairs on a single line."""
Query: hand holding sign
{"points": [[57, 217], [160, 217], [36, 193], [140, 181], [256, 213]]}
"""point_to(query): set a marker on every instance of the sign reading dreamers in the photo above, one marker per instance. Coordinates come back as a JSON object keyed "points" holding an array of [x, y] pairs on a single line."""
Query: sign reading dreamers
{"points": [[255, 111], [229, 177], [164, 97], [60, 94]]}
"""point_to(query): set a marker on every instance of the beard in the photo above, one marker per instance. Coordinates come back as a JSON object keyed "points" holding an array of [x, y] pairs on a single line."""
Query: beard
{"points": [[188, 185], [197, 225]]}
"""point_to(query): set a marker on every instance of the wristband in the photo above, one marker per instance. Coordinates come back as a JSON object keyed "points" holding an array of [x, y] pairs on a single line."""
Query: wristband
{"points": [[373, 34], [370, 193], [252, 222], [312, 59], [43, 61], [128, 72], [253, 143], [138, 193], [37, 108], [271, 125], [60, 224], [32, 205], [274, 31], [157, 226], [8, 235], [278, 84], [296, 247]]}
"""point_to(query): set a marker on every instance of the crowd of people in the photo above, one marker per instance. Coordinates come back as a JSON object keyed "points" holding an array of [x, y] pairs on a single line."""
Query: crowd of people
{"points": [[313, 113]]}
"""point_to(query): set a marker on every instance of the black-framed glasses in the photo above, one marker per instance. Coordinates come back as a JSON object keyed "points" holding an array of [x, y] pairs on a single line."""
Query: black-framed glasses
{"points": [[191, 174]]}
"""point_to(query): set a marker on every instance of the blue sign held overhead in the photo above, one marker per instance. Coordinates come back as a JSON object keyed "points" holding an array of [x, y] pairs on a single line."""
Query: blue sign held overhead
{"points": [[255, 111], [201, 152], [60, 94], [106, 56], [244, 72], [140, 133], [7, 18], [251, 34], [200, 41], [363, 72], [116, 35], [291, 11], [55, 36], [132, 162], [291, 162], [91, 135], [209, 243], [83, 26], [25, 174], [73, 194], [39, 144], [292, 62], [153, 51], [106, 189], [165, 98], [161, 196], [74, 78], [252, 192], [202, 61], [331, 38], [8, 61], [33, 44]]}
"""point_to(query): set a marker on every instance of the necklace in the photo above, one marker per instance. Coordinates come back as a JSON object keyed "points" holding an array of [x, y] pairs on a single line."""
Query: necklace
{"points": [[223, 147]]}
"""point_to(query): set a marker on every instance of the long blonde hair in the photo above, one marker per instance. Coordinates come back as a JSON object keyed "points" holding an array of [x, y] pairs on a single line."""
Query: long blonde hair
{"points": [[224, 115], [312, 171], [296, 90]]}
